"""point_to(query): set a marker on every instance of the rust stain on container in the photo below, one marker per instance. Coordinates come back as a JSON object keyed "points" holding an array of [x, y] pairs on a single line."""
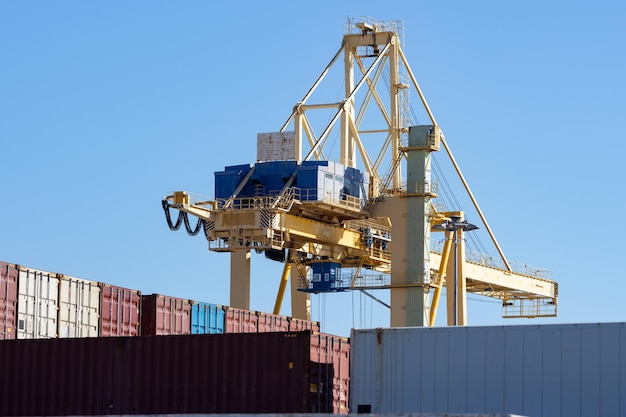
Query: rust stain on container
{"points": [[120, 310], [302, 372]]}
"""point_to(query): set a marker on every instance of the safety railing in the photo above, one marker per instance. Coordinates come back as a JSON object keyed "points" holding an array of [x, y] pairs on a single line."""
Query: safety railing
{"points": [[496, 263]]}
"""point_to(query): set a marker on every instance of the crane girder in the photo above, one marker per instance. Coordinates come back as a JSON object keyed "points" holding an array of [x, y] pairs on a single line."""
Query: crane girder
{"points": [[230, 230], [484, 278]]}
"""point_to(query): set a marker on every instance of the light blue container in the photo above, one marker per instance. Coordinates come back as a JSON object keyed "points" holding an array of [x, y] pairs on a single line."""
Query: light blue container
{"points": [[207, 318]]}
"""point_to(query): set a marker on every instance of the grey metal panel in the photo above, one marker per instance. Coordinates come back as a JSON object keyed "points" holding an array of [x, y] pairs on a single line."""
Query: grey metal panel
{"points": [[548, 370]]}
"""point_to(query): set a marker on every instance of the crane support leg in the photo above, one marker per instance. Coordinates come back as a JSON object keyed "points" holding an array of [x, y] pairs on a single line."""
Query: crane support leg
{"points": [[240, 279], [300, 301], [442, 273], [283, 285], [456, 285]]}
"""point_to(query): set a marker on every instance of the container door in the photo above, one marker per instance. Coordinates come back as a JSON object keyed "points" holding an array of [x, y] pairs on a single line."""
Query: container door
{"points": [[37, 304], [79, 308], [207, 319], [119, 311]]}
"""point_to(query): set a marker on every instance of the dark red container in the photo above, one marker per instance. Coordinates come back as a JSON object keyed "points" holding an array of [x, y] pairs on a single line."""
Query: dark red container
{"points": [[120, 311], [300, 372], [8, 300], [164, 315]]}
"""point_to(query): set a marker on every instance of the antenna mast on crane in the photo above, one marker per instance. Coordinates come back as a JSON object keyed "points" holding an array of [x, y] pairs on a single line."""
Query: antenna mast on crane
{"points": [[336, 220]]}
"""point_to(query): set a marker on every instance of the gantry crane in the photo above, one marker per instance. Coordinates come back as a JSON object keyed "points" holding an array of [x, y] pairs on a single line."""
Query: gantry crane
{"points": [[358, 222]]}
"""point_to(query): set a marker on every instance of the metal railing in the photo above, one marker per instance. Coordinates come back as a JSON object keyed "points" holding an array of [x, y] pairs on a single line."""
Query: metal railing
{"points": [[292, 195], [496, 263]]}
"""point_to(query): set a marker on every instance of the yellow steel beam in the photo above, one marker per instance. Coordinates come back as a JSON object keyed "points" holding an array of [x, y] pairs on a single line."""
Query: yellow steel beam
{"points": [[505, 279], [442, 272], [283, 285], [319, 232]]}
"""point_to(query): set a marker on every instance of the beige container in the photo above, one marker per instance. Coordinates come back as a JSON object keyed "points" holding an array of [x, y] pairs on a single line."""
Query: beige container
{"points": [[37, 304], [79, 307]]}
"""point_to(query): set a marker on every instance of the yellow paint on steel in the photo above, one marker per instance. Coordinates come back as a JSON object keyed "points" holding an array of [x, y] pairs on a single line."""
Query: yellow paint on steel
{"points": [[283, 286], [318, 232], [442, 272]]}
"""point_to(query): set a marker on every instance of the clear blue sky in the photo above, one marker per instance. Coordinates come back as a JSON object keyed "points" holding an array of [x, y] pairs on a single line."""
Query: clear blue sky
{"points": [[105, 107]]}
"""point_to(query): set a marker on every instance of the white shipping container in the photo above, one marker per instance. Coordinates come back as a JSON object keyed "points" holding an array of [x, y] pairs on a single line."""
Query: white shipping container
{"points": [[276, 146], [37, 304], [79, 308], [573, 370]]}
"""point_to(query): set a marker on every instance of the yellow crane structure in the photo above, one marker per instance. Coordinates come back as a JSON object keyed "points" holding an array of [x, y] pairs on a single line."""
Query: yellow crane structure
{"points": [[365, 220]]}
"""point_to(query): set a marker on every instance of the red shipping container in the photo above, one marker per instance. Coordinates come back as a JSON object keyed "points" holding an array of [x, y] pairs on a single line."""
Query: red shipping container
{"points": [[247, 321], [240, 321], [8, 300], [330, 356], [164, 315], [272, 323], [120, 311], [300, 372], [297, 325]]}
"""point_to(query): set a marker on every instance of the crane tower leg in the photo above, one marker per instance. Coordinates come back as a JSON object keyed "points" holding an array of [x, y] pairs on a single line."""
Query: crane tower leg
{"points": [[240, 279], [300, 301], [456, 285]]}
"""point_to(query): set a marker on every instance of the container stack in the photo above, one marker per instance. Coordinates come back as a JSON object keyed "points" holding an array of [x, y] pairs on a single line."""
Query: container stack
{"points": [[284, 372], [36, 304]]}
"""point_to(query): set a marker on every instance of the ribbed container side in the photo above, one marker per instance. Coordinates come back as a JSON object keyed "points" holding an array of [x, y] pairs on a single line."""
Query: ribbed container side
{"points": [[272, 323], [164, 315], [120, 311], [209, 374], [8, 300], [79, 307], [227, 181], [330, 366], [296, 325], [239, 320], [37, 304], [539, 371], [207, 318]]}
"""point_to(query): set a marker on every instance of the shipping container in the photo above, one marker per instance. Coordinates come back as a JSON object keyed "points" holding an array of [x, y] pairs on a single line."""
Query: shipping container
{"points": [[276, 146], [37, 304], [79, 307], [211, 318], [8, 300], [540, 371], [296, 325], [207, 318], [226, 181], [272, 323], [238, 320], [120, 311], [330, 356], [164, 315], [301, 372]]}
